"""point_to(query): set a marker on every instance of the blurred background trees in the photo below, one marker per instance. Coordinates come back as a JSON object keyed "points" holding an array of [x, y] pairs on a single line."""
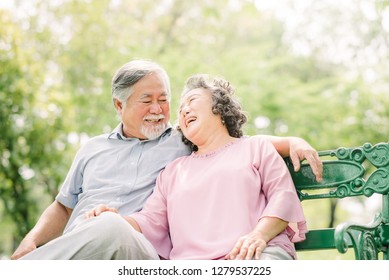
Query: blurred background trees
{"points": [[314, 69]]}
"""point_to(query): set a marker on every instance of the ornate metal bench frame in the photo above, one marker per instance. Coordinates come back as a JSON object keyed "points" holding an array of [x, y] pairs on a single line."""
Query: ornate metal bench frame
{"points": [[347, 172]]}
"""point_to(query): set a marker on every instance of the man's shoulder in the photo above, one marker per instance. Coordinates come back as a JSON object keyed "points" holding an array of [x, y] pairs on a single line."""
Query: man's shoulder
{"points": [[96, 139], [173, 136], [88, 144]]}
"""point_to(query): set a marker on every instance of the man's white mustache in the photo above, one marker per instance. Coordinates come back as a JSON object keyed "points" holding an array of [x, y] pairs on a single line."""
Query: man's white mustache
{"points": [[154, 117]]}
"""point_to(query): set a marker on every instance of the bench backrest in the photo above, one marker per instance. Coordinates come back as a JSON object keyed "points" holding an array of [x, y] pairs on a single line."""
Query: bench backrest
{"points": [[347, 172]]}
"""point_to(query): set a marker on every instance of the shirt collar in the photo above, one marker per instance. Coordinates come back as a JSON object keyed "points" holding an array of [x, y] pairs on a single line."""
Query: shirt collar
{"points": [[117, 133]]}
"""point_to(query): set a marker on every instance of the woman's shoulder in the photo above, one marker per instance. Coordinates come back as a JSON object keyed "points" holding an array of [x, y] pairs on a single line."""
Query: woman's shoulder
{"points": [[257, 139], [177, 163]]}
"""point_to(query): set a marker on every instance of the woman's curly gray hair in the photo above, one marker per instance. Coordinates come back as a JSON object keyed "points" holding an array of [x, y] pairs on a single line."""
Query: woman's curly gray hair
{"points": [[223, 102]]}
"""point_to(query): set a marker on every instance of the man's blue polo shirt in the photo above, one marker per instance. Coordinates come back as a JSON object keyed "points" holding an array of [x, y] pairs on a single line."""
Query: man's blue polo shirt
{"points": [[117, 171]]}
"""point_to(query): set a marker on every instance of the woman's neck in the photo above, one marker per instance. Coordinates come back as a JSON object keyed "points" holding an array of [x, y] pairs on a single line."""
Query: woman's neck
{"points": [[214, 142]]}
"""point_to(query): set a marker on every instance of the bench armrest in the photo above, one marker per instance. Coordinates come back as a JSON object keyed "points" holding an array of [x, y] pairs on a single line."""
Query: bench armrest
{"points": [[365, 238]]}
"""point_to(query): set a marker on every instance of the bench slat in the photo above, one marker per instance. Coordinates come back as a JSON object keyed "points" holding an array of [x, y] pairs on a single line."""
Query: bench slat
{"points": [[319, 239]]}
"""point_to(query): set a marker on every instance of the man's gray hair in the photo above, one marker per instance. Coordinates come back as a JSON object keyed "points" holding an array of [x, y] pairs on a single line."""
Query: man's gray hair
{"points": [[130, 73]]}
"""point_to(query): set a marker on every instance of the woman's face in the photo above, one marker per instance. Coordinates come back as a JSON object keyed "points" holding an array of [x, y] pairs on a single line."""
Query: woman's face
{"points": [[196, 119]]}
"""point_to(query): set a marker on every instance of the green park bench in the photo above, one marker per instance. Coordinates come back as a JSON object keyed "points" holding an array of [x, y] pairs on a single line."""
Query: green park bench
{"points": [[348, 172]]}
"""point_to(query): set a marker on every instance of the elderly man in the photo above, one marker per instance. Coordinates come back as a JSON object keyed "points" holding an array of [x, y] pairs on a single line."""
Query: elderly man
{"points": [[119, 169]]}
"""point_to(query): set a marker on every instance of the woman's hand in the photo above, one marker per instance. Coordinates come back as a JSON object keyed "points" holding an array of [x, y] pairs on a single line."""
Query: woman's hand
{"points": [[248, 247], [299, 150], [98, 210], [251, 246]]}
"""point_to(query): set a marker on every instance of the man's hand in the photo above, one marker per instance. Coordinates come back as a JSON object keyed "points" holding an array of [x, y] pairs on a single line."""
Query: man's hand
{"points": [[300, 150], [25, 247], [98, 210]]}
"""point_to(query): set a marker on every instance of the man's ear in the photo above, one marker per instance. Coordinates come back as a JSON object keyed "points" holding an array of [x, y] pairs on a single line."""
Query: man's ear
{"points": [[118, 105]]}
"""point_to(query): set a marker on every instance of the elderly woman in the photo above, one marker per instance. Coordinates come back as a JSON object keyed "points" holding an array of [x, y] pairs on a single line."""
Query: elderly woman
{"points": [[232, 198]]}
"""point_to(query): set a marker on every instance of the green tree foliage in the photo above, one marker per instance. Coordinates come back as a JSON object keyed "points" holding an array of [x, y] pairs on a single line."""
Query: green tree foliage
{"points": [[31, 148]]}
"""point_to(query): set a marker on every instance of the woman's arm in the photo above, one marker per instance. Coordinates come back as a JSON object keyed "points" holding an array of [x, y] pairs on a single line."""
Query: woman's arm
{"points": [[252, 245], [298, 149]]}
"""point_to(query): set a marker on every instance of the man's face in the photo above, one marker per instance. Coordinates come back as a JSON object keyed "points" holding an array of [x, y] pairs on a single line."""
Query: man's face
{"points": [[147, 111]]}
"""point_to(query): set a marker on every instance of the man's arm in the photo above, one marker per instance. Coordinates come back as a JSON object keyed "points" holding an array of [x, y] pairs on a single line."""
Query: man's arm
{"points": [[298, 149], [49, 226]]}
